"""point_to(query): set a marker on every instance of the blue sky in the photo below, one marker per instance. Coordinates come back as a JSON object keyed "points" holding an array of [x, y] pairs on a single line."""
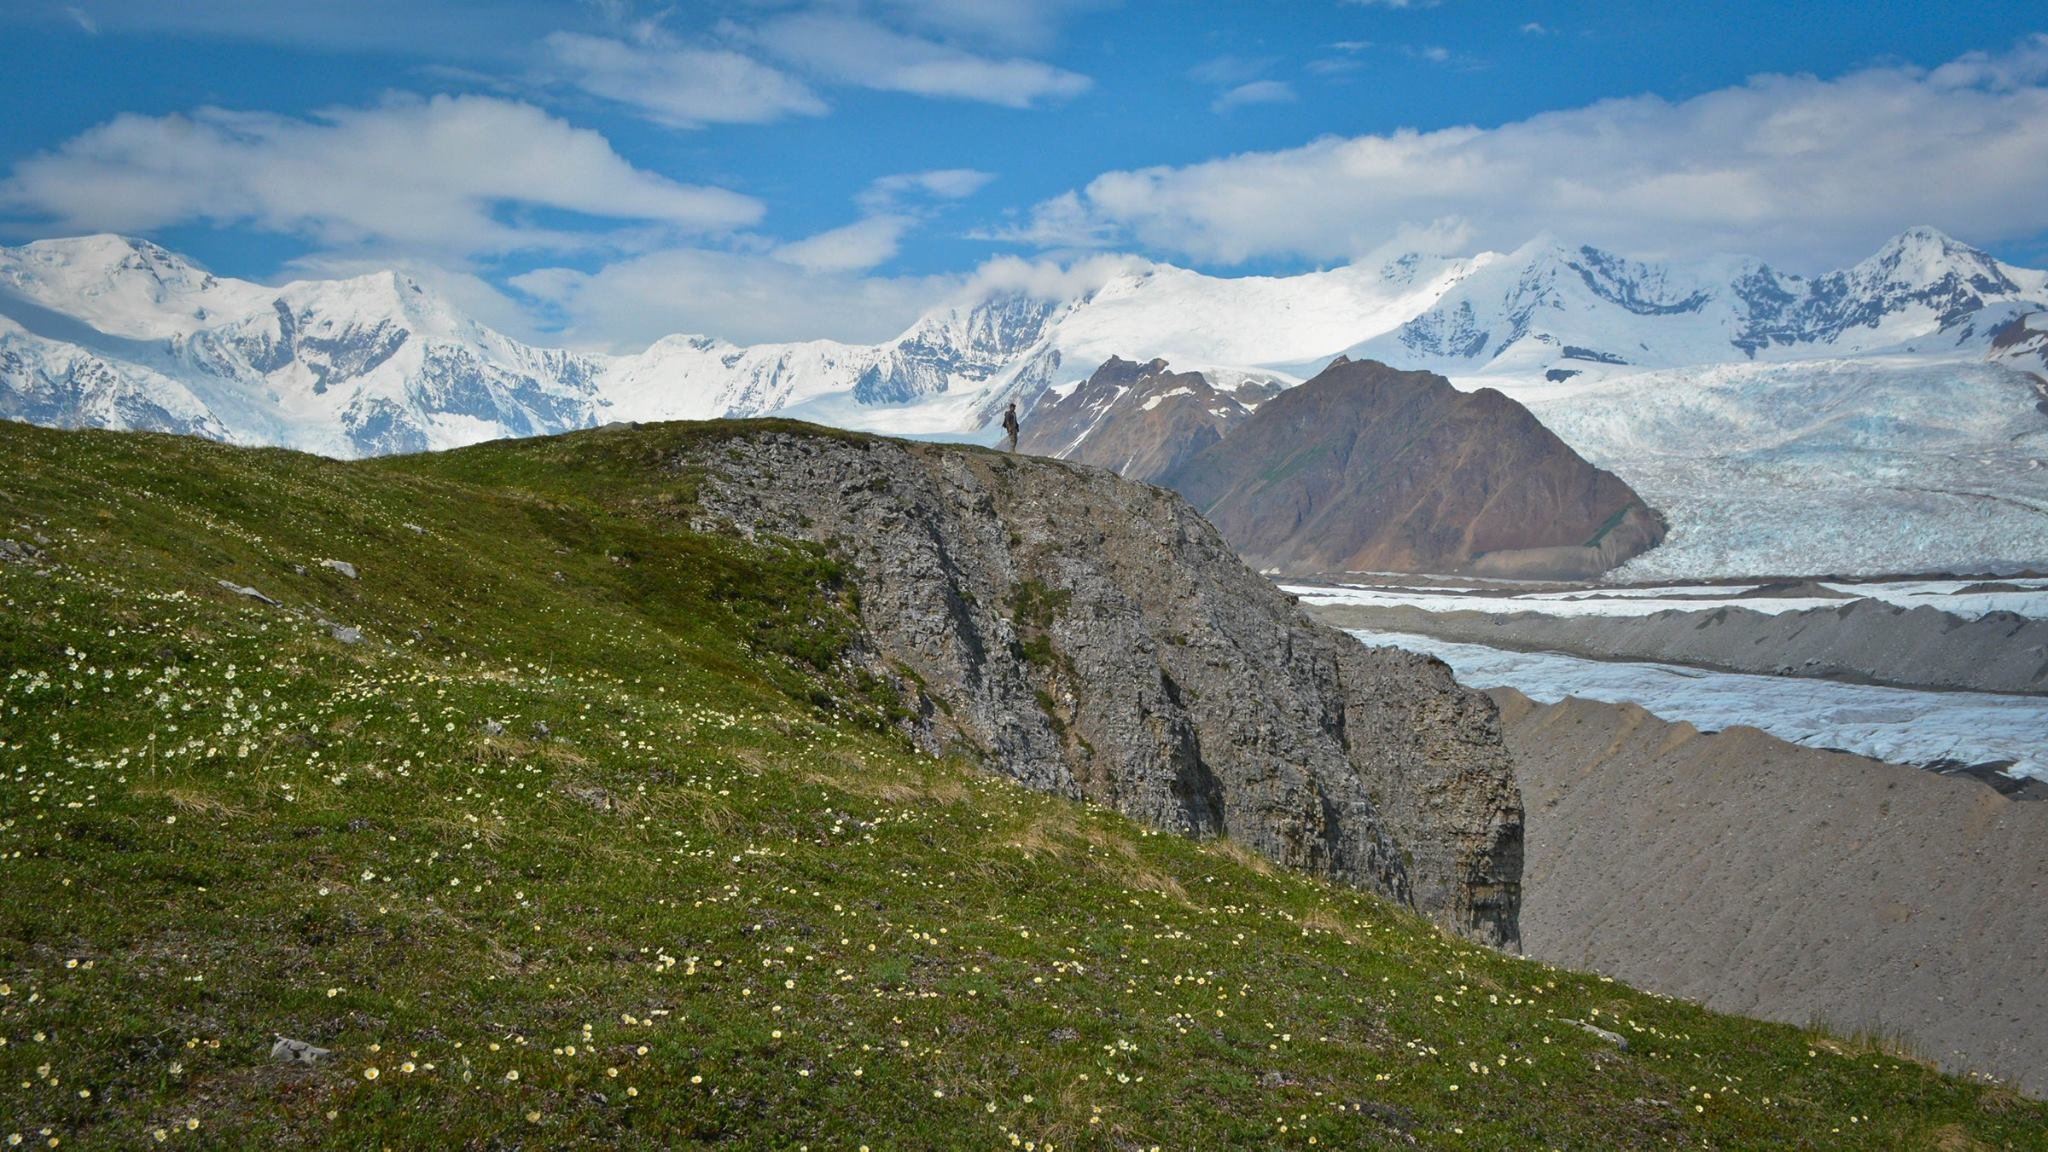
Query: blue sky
{"points": [[603, 173]]}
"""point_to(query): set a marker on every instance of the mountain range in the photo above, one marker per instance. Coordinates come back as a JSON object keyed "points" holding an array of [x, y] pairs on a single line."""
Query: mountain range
{"points": [[1879, 418]]}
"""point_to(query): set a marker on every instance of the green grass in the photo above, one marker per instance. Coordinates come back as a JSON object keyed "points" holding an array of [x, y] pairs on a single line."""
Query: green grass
{"points": [[721, 903]]}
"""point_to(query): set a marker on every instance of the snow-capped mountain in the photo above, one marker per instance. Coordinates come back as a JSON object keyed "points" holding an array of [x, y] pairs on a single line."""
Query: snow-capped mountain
{"points": [[109, 332], [1722, 378], [1553, 310]]}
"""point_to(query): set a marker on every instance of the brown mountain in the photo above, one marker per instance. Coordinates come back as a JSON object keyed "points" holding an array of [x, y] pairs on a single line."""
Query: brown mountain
{"points": [[1138, 420], [1367, 468]]}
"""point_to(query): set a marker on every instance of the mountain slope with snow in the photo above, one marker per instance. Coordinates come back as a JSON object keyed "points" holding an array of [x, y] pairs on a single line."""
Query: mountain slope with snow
{"points": [[1884, 417]]}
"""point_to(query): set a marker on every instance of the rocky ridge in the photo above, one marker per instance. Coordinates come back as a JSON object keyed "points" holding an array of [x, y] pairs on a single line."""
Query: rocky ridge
{"points": [[1140, 421], [1366, 468], [1096, 638]]}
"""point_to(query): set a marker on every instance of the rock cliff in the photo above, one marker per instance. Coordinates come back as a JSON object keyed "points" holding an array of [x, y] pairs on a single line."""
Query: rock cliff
{"points": [[1096, 638]]}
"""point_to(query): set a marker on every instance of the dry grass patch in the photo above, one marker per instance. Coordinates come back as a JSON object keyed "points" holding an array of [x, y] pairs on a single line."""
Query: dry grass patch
{"points": [[1952, 1138], [1323, 920], [199, 803], [1237, 853]]}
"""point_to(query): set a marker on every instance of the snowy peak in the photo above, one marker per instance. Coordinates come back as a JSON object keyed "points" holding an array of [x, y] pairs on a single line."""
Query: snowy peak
{"points": [[1138, 419], [1921, 257], [964, 343], [124, 287], [1921, 271], [1546, 304]]}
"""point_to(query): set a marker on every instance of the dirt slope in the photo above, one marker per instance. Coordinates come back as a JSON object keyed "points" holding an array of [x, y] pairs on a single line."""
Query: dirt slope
{"points": [[1759, 877]]}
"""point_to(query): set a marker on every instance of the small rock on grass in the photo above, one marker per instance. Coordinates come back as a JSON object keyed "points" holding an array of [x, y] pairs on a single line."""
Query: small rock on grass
{"points": [[346, 634], [290, 1051], [245, 590], [1614, 1038], [342, 566]]}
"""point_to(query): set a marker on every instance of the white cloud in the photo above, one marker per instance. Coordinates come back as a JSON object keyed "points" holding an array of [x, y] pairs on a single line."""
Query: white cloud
{"points": [[84, 22], [855, 247], [1790, 166], [938, 184], [747, 298], [1256, 92], [449, 175], [890, 212], [679, 85], [1051, 279], [850, 50], [1535, 29]]}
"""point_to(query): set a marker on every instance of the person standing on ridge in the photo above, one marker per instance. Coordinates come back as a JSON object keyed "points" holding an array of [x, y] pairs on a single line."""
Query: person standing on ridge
{"points": [[1010, 427]]}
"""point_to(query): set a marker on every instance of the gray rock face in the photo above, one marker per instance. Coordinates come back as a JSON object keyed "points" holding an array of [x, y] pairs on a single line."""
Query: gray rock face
{"points": [[1095, 638]]}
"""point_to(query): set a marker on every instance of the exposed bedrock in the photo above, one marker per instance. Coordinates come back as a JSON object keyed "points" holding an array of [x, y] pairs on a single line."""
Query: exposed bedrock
{"points": [[1094, 637]]}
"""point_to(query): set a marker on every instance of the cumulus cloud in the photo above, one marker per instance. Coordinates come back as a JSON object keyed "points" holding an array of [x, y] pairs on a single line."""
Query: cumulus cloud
{"points": [[749, 298], [1051, 279], [744, 297], [851, 50], [680, 85], [891, 207], [938, 183], [451, 175], [1796, 166], [855, 247], [1256, 92]]}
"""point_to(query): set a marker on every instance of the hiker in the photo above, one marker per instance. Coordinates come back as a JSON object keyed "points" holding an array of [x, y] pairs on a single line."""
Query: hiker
{"points": [[1010, 428]]}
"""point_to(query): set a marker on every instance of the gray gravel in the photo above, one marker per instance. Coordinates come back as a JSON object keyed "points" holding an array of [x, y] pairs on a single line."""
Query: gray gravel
{"points": [[1867, 641], [1759, 877]]}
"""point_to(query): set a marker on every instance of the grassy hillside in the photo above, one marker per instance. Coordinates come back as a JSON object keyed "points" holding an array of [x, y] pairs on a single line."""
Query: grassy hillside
{"points": [[578, 845]]}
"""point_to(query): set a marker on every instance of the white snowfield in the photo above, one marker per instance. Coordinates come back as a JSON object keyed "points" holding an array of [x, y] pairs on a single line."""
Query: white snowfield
{"points": [[1893, 724], [2030, 600], [1875, 420]]}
